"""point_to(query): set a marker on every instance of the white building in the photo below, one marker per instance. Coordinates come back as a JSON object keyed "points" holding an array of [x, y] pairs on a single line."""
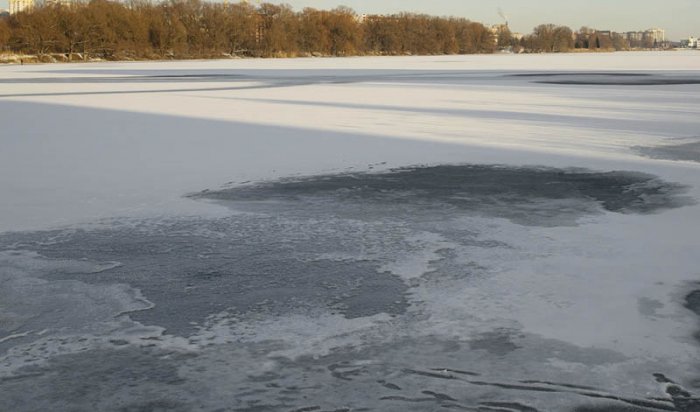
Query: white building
{"points": [[17, 6], [690, 43], [657, 35], [57, 2], [496, 30], [646, 39]]}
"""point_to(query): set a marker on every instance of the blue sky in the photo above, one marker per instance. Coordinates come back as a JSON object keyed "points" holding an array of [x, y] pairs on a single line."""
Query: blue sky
{"points": [[680, 18]]}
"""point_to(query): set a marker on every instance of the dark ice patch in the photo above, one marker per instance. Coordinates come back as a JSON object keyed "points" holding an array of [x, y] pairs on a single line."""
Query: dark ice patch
{"points": [[324, 242], [610, 78], [232, 377], [525, 195], [679, 400], [498, 342], [591, 74], [129, 379], [624, 82], [613, 79], [244, 265], [617, 408], [692, 302], [684, 151], [510, 406]]}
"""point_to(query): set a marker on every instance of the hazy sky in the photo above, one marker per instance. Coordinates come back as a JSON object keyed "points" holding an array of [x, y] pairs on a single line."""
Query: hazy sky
{"points": [[680, 18]]}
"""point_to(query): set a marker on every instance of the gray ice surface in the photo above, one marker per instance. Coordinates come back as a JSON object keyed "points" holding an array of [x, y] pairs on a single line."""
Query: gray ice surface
{"points": [[201, 314]]}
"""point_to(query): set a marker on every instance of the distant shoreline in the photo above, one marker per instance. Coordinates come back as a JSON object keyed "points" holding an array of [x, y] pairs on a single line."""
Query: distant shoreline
{"points": [[53, 58]]}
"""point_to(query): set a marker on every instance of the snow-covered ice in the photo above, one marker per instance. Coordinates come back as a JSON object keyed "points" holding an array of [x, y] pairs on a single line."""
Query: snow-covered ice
{"points": [[488, 233]]}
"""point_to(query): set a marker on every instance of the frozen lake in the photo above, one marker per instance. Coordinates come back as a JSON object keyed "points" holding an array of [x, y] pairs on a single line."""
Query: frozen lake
{"points": [[485, 233]]}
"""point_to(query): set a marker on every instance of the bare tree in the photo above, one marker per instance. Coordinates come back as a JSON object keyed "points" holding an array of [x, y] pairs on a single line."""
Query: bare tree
{"points": [[5, 34], [314, 36], [242, 24], [549, 38], [195, 28], [382, 35], [619, 42], [345, 33]]}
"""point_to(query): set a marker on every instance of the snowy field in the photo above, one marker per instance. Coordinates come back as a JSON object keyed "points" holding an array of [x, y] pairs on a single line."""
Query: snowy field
{"points": [[481, 233]]}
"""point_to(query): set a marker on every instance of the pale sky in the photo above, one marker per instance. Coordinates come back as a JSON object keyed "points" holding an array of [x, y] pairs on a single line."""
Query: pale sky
{"points": [[680, 18]]}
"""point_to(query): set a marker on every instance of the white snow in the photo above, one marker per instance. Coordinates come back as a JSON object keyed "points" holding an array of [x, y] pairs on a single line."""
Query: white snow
{"points": [[74, 151]]}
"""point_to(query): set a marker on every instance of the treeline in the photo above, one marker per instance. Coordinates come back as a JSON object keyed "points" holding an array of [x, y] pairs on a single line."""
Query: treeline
{"points": [[198, 29], [548, 38], [140, 29]]}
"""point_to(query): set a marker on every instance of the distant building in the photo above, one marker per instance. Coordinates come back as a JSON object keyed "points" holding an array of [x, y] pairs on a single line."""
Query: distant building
{"points": [[634, 36], [657, 35], [17, 6], [647, 39], [58, 2], [690, 43], [496, 30]]}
